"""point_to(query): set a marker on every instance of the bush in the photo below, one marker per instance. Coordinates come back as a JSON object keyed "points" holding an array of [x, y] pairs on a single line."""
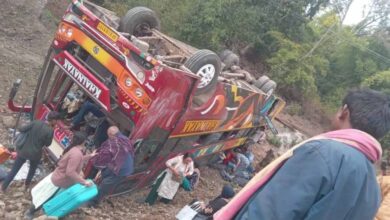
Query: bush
{"points": [[274, 140], [294, 109], [386, 141]]}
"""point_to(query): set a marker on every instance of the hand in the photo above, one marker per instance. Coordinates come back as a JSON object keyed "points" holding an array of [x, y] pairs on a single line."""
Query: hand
{"points": [[94, 153], [174, 171], [14, 155], [208, 210], [178, 174], [87, 183]]}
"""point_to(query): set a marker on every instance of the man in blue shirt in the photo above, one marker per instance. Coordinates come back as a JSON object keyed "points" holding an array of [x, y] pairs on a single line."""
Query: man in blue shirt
{"points": [[327, 179]]}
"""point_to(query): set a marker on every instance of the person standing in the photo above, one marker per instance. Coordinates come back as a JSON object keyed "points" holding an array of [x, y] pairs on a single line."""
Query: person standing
{"points": [[330, 176], [115, 158], [39, 135]]}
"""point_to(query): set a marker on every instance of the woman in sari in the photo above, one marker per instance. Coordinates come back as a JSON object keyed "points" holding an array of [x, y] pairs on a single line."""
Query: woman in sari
{"points": [[180, 170]]}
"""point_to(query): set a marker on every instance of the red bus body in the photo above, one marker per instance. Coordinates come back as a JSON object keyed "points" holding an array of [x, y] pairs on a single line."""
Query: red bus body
{"points": [[158, 106]]}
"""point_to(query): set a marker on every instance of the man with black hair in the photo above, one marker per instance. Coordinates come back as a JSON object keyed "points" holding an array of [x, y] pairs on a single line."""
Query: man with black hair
{"points": [[330, 176], [39, 134]]}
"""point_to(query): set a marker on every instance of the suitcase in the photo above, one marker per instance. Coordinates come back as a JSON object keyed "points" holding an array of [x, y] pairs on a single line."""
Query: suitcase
{"points": [[68, 200], [4, 154], [43, 191]]}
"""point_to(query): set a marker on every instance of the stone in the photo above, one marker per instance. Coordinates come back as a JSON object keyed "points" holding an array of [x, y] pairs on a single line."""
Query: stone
{"points": [[12, 216], [44, 217], [9, 208], [8, 121], [19, 205], [26, 202], [2, 205], [18, 194]]}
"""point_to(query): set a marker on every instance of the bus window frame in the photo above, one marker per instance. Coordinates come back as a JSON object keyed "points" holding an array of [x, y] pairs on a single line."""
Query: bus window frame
{"points": [[42, 86], [59, 89]]}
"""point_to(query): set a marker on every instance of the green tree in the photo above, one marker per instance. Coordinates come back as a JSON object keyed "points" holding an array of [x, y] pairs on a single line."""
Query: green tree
{"points": [[379, 81], [351, 58], [296, 76]]}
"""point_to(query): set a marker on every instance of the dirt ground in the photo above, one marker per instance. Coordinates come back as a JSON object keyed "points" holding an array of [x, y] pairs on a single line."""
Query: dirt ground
{"points": [[26, 31]]}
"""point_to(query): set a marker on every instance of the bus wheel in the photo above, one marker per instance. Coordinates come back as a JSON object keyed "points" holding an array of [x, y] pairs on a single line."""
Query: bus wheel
{"points": [[138, 21], [224, 54], [261, 81], [229, 59], [207, 65], [268, 86]]}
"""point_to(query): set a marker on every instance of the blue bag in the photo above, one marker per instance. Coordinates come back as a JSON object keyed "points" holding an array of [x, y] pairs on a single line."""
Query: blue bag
{"points": [[186, 184], [68, 200]]}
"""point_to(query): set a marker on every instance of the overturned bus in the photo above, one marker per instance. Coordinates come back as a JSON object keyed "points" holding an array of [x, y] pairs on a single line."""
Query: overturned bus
{"points": [[168, 97]]}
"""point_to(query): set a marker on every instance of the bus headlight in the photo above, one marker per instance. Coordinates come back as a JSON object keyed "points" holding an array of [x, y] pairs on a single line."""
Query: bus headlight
{"points": [[141, 77], [64, 32], [62, 29], [69, 32], [128, 82], [139, 93]]}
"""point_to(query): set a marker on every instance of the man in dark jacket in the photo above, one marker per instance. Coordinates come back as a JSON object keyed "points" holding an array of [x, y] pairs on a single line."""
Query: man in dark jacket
{"points": [[39, 134]]}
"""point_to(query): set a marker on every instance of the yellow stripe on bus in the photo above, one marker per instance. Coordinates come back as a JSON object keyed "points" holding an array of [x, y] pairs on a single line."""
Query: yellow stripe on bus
{"points": [[100, 54]]}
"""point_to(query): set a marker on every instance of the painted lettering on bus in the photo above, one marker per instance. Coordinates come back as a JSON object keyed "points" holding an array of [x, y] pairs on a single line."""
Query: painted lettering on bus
{"points": [[199, 126], [82, 79]]}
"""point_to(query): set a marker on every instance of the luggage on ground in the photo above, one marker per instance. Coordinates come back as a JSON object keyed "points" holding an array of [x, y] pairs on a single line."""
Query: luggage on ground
{"points": [[68, 200], [4, 154], [188, 212], [43, 191]]}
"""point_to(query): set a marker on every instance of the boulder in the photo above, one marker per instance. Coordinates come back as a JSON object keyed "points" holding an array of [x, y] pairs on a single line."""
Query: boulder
{"points": [[2, 205], [18, 195], [8, 121], [12, 216]]}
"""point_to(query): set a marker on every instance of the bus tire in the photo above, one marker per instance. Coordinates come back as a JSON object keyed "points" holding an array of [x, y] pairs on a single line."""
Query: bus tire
{"points": [[231, 60], [207, 65], [223, 54], [268, 86], [261, 81], [138, 21]]}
